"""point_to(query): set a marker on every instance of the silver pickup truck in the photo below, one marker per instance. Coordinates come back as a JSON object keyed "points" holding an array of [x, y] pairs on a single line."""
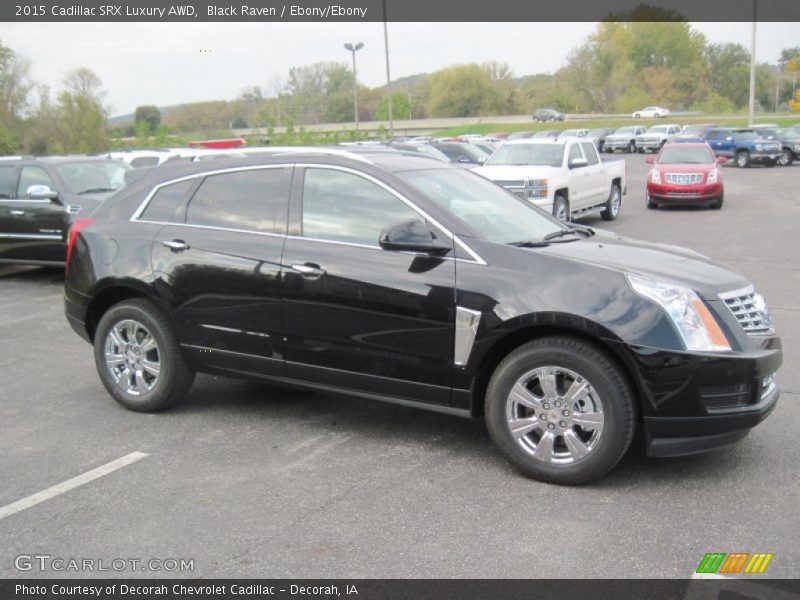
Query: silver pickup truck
{"points": [[655, 137], [623, 139]]}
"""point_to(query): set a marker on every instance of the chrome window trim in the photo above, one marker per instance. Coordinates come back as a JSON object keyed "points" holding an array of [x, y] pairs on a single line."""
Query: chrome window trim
{"points": [[476, 258]]}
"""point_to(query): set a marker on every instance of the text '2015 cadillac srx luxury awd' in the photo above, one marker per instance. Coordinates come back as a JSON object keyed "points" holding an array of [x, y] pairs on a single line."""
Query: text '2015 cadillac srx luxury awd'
{"points": [[401, 278]]}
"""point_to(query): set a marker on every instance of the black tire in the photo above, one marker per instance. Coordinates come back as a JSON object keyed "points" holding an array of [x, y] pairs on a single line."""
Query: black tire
{"points": [[559, 202], [742, 159], [613, 204], [640, 150], [787, 158], [717, 204], [631, 147], [649, 201], [637, 116], [175, 376], [597, 368]]}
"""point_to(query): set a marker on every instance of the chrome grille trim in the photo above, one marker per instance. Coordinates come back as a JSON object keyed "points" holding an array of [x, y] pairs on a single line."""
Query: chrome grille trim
{"points": [[741, 303], [684, 178]]}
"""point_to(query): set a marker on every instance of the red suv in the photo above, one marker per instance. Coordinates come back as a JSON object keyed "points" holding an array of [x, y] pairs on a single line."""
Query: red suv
{"points": [[686, 173]]}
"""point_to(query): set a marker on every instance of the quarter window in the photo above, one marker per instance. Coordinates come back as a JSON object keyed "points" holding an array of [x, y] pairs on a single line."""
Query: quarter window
{"points": [[165, 201], [32, 176], [254, 200], [344, 207]]}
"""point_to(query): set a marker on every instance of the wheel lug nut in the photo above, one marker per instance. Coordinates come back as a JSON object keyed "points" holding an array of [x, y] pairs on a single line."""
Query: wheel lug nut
{"points": [[557, 403], [563, 424], [551, 426], [543, 417], [545, 406], [566, 413]]}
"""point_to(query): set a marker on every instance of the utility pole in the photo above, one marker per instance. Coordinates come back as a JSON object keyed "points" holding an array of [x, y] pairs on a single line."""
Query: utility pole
{"points": [[353, 48], [388, 77], [752, 107]]}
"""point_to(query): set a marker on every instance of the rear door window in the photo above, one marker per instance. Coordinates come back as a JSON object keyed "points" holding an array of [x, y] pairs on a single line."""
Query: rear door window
{"points": [[32, 176], [253, 200], [7, 181]]}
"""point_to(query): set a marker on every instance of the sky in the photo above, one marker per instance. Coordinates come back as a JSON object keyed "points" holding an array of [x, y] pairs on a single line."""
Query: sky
{"points": [[173, 63]]}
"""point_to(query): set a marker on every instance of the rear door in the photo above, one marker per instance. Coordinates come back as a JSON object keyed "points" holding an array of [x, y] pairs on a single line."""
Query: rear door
{"points": [[8, 187], [217, 262], [597, 187], [580, 184], [357, 316], [40, 224]]}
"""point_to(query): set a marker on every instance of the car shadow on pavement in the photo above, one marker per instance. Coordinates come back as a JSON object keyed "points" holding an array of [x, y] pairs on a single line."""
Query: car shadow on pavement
{"points": [[32, 274]]}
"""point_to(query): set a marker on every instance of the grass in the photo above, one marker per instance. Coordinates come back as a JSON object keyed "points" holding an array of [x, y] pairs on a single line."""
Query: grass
{"points": [[782, 120]]}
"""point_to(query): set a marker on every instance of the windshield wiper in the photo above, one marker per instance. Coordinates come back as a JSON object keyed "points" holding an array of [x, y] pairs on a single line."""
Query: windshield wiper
{"points": [[529, 244], [98, 190], [564, 232]]}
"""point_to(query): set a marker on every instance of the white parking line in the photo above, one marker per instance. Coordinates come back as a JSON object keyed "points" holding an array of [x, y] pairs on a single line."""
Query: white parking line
{"points": [[69, 484]]}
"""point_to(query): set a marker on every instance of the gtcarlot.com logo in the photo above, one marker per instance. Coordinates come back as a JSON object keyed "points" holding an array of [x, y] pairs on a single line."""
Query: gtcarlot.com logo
{"points": [[46, 562], [735, 562]]}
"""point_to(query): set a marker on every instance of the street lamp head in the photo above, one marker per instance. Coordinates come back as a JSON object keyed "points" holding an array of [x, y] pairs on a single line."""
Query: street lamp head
{"points": [[348, 47], [359, 45]]}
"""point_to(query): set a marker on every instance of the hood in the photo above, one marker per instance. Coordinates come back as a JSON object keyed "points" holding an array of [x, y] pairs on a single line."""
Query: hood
{"points": [[620, 136], [515, 172], [656, 261]]}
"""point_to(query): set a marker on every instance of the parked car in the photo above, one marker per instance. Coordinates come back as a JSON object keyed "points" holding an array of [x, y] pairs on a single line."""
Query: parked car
{"points": [[462, 153], [548, 114], [339, 274], [547, 133], [696, 129], [485, 146], [790, 142], [426, 149], [564, 177], [624, 138], [744, 146], [685, 173], [651, 112], [655, 137], [41, 197], [599, 136], [576, 133]]}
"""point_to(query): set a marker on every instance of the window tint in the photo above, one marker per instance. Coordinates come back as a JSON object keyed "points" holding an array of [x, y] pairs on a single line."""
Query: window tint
{"points": [[252, 200], [7, 181], [33, 176], [166, 200], [590, 152], [344, 207]]}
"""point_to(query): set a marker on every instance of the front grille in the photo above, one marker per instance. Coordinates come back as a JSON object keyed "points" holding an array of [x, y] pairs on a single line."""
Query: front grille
{"points": [[684, 178], [516, 183], [678, 194], [726, 397], [749, 309]]}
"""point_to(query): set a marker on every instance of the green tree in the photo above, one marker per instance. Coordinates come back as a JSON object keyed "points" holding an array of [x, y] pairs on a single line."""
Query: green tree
{"points": [[401, 108], [149, 115], [81, 114], [462, 91], [728, 72]]}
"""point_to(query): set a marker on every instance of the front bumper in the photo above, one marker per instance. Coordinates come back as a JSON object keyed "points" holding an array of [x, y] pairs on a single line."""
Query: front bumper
{"points": [[649, 144], [704, 192], [616, 144], [760, 157], [696, 402]]}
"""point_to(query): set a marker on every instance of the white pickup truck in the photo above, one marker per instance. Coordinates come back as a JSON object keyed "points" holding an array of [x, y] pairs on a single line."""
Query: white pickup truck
{"points": [[564, 176]]}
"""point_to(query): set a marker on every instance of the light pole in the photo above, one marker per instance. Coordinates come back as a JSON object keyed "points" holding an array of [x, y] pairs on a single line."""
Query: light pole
{"points": [[752, 105], [388, 77], [353, 48]]}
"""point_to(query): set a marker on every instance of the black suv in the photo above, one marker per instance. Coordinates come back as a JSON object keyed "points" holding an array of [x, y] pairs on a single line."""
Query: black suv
{"points": [[40, 197], [405, 279]]}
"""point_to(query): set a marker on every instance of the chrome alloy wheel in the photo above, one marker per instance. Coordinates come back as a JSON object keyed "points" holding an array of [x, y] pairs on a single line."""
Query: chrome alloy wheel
{"points": [[616, 201], [561, 212], [132, 357], [555, 415]]}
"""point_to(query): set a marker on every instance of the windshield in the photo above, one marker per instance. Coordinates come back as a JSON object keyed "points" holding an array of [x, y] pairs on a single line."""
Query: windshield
{"points": [[95, 176], [746, 135], [547, 155], [657, 129], [498, 215], [625, 130], [685, 156]]}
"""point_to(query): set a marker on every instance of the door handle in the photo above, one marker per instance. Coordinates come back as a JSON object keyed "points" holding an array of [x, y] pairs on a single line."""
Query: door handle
{"points": [[17, 213], [309, 270], [176, 245]]}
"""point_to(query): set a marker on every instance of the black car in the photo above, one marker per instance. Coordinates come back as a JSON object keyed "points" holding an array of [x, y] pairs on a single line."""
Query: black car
{"points": [[600, 134], [40, 197], [401, 278], [548, 114]]}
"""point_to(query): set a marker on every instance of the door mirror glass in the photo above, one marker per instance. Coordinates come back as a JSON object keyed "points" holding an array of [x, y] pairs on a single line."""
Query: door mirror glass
{"points": [[40, 192], [413, 236], [463, 159]]}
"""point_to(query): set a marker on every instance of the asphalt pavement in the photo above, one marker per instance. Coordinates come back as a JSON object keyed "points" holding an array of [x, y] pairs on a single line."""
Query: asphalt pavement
{"points": [[253, 480]]}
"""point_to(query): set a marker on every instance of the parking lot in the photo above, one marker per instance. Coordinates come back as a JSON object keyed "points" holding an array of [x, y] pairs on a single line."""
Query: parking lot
{"points": [[247, 479]]}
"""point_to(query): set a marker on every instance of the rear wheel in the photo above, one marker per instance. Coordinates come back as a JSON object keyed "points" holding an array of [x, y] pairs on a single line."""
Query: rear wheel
{"points": [[560, 410], [742, 159], [717, 204], [641, 150], [613, 204], [138, 357], [561, 208]]}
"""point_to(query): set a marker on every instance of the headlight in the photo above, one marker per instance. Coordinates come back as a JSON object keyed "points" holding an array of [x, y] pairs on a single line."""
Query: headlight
{"points": [[655, 176], [695, 323], [537, 188], [712, 176]]}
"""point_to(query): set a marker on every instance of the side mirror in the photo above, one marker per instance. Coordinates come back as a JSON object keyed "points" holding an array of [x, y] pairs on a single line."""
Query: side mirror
{"points": [[464, 159], [412, 236], [729, 139], [41, 192], [721, 159], [650, 160], [576, 163]]}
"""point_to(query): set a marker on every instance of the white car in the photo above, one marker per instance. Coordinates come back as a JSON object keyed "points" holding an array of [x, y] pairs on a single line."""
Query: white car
{"points": [[564, 177], [651, 112]]}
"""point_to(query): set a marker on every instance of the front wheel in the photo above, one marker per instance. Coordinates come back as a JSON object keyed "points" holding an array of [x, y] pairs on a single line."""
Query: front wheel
{"points": [[743, 159], [631, 147], [649, 200], [787, 158], [613, 204], [561, 208], [560, 410], [138, 357], [717, 204]]}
